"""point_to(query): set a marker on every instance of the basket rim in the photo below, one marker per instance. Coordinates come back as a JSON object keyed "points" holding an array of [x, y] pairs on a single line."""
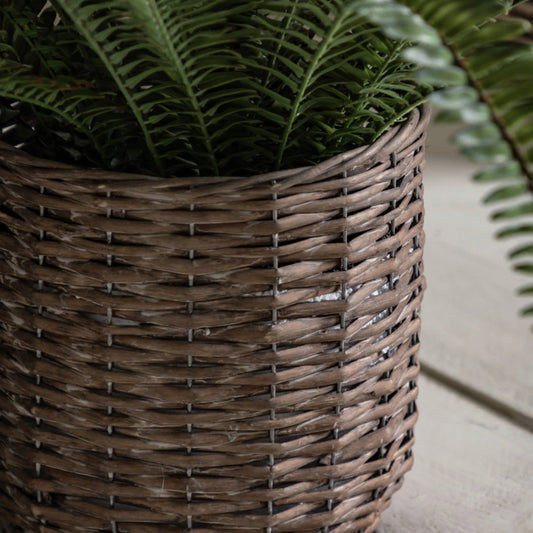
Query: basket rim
{"points": [[15, 159]]}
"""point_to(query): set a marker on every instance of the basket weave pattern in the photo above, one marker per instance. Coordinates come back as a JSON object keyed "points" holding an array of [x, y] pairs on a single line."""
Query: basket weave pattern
{"points": [[209, 354]]}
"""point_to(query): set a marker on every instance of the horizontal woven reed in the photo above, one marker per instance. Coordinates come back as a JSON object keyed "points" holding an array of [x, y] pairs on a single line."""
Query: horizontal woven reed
{"points": [[210, 354]]}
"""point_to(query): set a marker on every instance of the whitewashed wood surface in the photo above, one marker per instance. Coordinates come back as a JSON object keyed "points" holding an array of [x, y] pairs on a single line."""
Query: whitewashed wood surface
{"points": [[473, 471], [471, 328], [474, 441]]}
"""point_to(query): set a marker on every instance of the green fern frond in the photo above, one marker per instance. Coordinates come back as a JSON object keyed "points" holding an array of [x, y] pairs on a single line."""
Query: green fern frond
{"points": [[175, 65], [240, 87], [106, 29], [334, 22], [505, 86], [487, 77], [73, 106], [67, 98], [61, 97], [23, 27], [195, 45], [322, 68], [158, 19]]}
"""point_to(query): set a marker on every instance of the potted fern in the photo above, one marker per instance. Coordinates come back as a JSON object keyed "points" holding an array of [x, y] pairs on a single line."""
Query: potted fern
{"points": [[211, 251]]}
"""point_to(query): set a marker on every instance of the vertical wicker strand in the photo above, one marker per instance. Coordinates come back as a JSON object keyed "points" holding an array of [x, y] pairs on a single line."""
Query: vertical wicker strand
{"points": [[342, 344], [391, 282], [273, 390], [110, 450], [38, 355], [415, 339], [190, 338]]}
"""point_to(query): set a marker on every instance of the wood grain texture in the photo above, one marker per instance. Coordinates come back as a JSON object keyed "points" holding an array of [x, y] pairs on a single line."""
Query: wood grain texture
{"points": [[473, 471], [471, 327]]}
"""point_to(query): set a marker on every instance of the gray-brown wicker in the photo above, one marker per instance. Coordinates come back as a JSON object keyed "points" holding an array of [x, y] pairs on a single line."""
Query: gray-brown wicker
{"points": [[209, 354]]}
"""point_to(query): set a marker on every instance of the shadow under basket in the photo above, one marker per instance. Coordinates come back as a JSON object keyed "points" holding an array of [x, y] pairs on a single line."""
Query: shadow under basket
{"points": [[209, 354]]}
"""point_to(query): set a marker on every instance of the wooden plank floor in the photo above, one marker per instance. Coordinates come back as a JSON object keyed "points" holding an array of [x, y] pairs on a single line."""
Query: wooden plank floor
{"points": [[473, 471], [471, 331], [474, 450]]}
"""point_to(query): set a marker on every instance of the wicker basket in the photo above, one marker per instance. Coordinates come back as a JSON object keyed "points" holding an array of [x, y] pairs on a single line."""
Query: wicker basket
{"points": [[210, 354]]}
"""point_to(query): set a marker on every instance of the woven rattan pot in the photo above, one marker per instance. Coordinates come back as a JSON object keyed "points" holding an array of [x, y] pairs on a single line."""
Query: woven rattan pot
{"points": [[209, 354]]}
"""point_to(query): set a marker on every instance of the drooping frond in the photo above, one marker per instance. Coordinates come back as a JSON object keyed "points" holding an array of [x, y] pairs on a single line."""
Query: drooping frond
{"points": [[486, 69], [65, 99]]}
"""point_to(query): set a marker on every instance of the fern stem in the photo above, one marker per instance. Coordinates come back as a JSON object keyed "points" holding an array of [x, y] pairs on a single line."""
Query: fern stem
{"points": [[184, 78], [96, 46], [303, 88], [496, 119], [286, 25]]}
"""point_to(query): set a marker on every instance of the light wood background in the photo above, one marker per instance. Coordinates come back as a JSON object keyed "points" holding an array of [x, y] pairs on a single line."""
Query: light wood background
{"points": [[473, 468]]}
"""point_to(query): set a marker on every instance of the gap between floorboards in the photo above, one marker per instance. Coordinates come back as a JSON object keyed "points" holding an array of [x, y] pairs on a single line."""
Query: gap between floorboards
{"points": [[499, 408]]}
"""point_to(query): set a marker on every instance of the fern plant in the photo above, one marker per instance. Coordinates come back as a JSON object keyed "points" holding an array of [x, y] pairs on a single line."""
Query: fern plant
{"points": [[203, 87], [209, 87]]}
